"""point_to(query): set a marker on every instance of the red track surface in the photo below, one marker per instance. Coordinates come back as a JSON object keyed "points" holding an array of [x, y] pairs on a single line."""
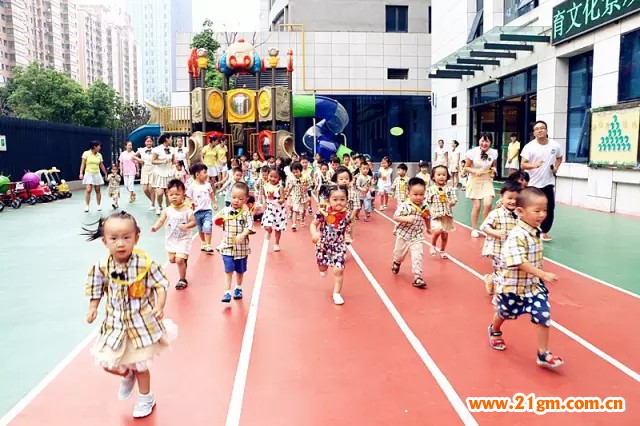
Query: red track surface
{"points": [[314, 363]]}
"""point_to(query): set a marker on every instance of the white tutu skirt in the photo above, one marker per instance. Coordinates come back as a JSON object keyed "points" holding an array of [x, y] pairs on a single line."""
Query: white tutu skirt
{"points": [[128, 357], [94, 179]]}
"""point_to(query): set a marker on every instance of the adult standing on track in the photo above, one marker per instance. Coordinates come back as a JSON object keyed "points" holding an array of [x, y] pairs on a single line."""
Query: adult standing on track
{"points": [[541, 158], [145, 156], [162, 161], [442, 156], [129, 169], [480, 163], [90, 167]]}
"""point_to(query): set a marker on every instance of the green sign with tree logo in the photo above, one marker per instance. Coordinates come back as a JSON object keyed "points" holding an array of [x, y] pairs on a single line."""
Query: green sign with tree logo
{"points": [[575, 17]]}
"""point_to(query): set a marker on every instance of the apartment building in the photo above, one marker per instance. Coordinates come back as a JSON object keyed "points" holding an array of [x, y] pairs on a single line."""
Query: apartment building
{"points": [[37, 30], [371, 56], [108, 50], [500, 65]]}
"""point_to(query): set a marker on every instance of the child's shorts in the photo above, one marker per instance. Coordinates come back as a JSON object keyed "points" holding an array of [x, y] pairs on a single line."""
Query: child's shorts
{"points": [[238, 266], [174, 256], [511, 306], [204, 220]]}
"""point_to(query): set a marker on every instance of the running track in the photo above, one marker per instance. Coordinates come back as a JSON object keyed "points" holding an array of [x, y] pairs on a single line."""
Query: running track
{"points": [[392, 355]]}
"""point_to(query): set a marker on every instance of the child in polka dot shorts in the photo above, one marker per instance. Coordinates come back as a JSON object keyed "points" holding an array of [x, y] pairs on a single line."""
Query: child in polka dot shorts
{"points": [[520, 285]]}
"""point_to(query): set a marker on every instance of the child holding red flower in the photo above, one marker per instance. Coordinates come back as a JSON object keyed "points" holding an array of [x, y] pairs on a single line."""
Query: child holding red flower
{"points": [[274, 218], [328, 234]]}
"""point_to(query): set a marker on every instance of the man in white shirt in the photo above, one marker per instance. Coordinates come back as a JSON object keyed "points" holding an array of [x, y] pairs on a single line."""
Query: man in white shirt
{"points": [[541, 158]]}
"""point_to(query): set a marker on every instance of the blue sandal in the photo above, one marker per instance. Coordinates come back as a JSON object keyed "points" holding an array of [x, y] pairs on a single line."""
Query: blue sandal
{"points": [[555, 361]]}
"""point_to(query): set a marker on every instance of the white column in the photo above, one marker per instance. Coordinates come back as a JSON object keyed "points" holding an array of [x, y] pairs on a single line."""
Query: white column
{"points": [[553, 90]]}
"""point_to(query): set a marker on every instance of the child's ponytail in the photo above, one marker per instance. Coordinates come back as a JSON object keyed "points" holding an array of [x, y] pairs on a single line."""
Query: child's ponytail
{"points": [[98, 232]]}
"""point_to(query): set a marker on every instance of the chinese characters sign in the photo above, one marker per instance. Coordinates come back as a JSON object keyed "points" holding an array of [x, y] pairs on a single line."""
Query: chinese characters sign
{"points": [[572, 18], [614, 138]]}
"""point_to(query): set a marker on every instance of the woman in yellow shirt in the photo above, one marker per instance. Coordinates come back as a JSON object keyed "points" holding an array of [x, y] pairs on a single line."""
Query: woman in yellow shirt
{"points": [[513, 152], [90, 168]]}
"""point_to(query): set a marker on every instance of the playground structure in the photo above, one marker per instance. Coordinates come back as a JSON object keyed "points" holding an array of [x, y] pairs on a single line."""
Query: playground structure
{"points": [[258, 119]]}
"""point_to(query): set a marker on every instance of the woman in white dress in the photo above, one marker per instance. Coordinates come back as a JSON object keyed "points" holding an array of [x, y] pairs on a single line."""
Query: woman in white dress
{"points": [[454, 163], [90, 167], [441, 155], [162, 161], [180, 153], [145, 156], [480, 164]]}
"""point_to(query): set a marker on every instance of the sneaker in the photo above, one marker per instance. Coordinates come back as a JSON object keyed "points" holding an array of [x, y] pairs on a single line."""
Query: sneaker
{"points": [[323, 273], [99, 208], [226, 298], [158, 211], [237, 294], [489, 286], [126, 386], [546, 237], [475, 233], [114, 206], [144, 406], [152, 208], [337, 299], [208, 249], [86, 209], [276, 247]]}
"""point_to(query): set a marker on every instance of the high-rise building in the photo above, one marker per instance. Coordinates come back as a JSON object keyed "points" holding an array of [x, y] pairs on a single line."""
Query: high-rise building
{"points": [[38, 30], [155, 23], [108, 49]]}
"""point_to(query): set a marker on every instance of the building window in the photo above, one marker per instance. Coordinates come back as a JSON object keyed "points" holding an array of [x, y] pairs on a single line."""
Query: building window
{"points": [[429, 20], [580, 78], [397, 19], [397, 74], [477, 26], [629, 74], [454, 102], [516, 8]]}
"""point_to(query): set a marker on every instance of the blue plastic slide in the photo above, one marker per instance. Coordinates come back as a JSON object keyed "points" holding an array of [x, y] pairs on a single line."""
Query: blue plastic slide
{"points": [[139, 134], [333, 119]]}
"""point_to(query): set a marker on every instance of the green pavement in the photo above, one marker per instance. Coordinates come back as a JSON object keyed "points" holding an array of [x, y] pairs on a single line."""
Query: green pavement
{"points": [[600, 244]]}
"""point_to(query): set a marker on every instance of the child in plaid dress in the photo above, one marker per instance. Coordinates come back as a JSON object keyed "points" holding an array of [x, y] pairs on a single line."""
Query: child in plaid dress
{"points": [[114, 180], [497, 226], [237, 225], [441, 200], [135, 288], [411, 216], [327, 233], [298, 189], [399, 185], [521, 285]]}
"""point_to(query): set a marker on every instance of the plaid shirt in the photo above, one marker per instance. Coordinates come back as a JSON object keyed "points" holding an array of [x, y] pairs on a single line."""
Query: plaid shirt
{"points": [[438, 199], [126, 316], [499, 220], [232, 227], [400, 188], [413, 231], [354, 199], [522, 245]]}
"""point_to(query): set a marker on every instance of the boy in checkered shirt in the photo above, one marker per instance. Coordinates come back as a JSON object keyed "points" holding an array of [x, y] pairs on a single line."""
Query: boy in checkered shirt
{"points": [[411, 216], [237, 224], [497, 226], [521, 281]]}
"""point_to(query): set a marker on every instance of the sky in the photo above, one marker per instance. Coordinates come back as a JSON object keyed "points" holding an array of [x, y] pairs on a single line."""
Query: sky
{"points": [[227, 15]]}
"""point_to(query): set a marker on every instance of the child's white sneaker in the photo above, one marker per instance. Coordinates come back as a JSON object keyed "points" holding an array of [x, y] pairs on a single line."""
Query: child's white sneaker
{"points": [[475, 233], [126, 386], [144, 406], [323, 273], [276, 247], [86, 209], [337, 299]]}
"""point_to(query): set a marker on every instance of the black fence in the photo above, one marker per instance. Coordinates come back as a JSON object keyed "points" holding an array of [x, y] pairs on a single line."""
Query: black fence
{"points": [[33, 145]]}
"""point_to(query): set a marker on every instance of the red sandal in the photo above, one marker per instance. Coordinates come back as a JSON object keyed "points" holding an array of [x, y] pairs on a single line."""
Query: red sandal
{"points": [[554, 362], [495, 340]]}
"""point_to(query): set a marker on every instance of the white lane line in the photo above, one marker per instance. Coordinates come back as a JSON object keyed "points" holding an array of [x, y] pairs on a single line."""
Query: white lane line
{"points": [[240, 381], [51, 376], [575, 271], [581, 341], [437, 374]]}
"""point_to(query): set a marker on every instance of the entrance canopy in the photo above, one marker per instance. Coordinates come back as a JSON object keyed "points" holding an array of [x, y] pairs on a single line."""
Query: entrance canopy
{"points": [[489, 49]]}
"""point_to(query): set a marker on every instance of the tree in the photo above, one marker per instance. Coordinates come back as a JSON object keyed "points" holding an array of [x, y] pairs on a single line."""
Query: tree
{"points": [[45, 94], [103, 102], [206, 39], [131, 116]]}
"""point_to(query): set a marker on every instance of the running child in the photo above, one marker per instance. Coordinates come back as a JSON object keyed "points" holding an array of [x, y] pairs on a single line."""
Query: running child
{"points": [[343, 177], [441, 200], [258, 184], [114, 180], [322, 181], [202, 198], [275, 214], [180, 220], [411, 215], [497, 226], [328, 233], [521, 285], [237, 225], [133, 333], [180, 173], [227, 186], [364, 184], [298, 191], [384, 182], [256, 210], [399, 186]]}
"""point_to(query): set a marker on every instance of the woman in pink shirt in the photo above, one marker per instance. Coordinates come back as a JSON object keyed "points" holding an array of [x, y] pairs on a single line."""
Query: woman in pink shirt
{"points": [[129, 169]]}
